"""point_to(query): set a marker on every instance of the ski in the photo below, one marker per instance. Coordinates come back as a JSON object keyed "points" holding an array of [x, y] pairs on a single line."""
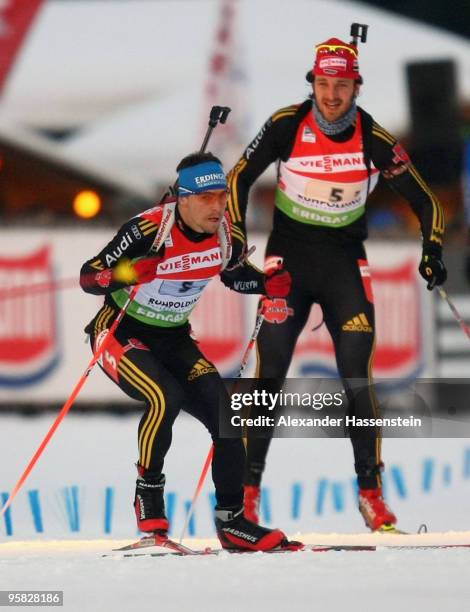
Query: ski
{"points": [[175, 548], [206, 552], [379, 547], [164, 541], [181, 551]]}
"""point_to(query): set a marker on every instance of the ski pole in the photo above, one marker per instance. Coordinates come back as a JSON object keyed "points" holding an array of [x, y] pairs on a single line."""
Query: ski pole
{"points": [[200, 484], [259, 321], [68, 404], [454, 311]]}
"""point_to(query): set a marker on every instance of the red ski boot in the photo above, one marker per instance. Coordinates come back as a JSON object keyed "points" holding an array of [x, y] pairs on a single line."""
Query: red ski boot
{"points": [[149, 504], [236, 533], [374, 510]]}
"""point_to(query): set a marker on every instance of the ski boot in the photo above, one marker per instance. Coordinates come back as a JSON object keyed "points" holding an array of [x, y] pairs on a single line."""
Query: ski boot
{"points": [[236, 533], [149, 504], [377, 515], [252, 498]]}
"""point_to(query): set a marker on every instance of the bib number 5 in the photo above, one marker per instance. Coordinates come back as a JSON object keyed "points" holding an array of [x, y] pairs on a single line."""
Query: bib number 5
{"points": [[336, 194]]}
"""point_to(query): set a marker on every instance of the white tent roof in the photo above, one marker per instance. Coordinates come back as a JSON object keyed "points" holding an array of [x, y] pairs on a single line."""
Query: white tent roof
{"points": [[132, 74]]}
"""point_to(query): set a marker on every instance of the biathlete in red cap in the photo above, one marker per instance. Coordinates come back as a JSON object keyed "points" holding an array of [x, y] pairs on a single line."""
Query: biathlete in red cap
{"points": [[330, 154]]}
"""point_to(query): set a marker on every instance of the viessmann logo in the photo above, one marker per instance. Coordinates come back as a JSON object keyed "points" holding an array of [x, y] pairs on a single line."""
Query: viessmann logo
{"points": [[190, 261], [323, 164]]}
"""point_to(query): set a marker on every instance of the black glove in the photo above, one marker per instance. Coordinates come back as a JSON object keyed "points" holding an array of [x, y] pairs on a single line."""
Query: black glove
{"points": [[432, 268]]}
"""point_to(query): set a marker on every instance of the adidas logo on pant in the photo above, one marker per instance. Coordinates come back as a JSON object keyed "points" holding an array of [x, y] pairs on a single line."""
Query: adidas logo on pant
{"points": [[358, 324], [200, 368]]}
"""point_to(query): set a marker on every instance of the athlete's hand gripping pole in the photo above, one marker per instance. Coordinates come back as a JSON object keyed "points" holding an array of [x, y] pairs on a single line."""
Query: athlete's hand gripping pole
{"points": [[68, 404]]}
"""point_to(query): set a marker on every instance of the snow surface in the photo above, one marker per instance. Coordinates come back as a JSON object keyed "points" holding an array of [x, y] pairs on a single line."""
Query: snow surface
{"points": [[97, 451], [428, 580]]}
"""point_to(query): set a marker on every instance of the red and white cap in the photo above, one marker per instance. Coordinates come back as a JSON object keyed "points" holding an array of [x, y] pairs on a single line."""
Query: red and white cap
{"points": [[336, 58]]}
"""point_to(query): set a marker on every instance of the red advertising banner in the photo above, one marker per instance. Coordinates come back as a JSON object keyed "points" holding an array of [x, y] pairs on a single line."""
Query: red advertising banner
{"points": [[28, 336], [43, 312], [16, 17]]}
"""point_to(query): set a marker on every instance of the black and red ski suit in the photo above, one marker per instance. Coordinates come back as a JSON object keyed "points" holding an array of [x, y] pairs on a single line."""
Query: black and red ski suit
{"points": [[327, 262], [152, 357]]}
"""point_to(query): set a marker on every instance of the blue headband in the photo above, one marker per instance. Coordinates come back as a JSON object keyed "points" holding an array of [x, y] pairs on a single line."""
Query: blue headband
{"points": [[203, 177]]}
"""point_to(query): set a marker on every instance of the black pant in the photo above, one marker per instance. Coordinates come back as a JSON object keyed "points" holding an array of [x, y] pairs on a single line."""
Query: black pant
{"points": [[327, 273], [165, 369]]}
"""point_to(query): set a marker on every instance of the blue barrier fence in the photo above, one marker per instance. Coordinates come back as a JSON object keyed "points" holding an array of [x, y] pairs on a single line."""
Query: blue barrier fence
{"points": [[328, 495]]}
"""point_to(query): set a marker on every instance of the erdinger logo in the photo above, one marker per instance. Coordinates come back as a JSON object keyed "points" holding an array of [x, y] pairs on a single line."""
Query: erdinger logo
{"points": [[201, 181], [277, 311]]}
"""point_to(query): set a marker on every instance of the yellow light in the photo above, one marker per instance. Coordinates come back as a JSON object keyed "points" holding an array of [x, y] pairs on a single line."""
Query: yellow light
{"points": [[86, 204]]}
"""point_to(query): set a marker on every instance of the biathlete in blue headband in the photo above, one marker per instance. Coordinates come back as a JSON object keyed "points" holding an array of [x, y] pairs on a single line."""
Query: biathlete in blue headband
{"points": [[172, 252]]}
